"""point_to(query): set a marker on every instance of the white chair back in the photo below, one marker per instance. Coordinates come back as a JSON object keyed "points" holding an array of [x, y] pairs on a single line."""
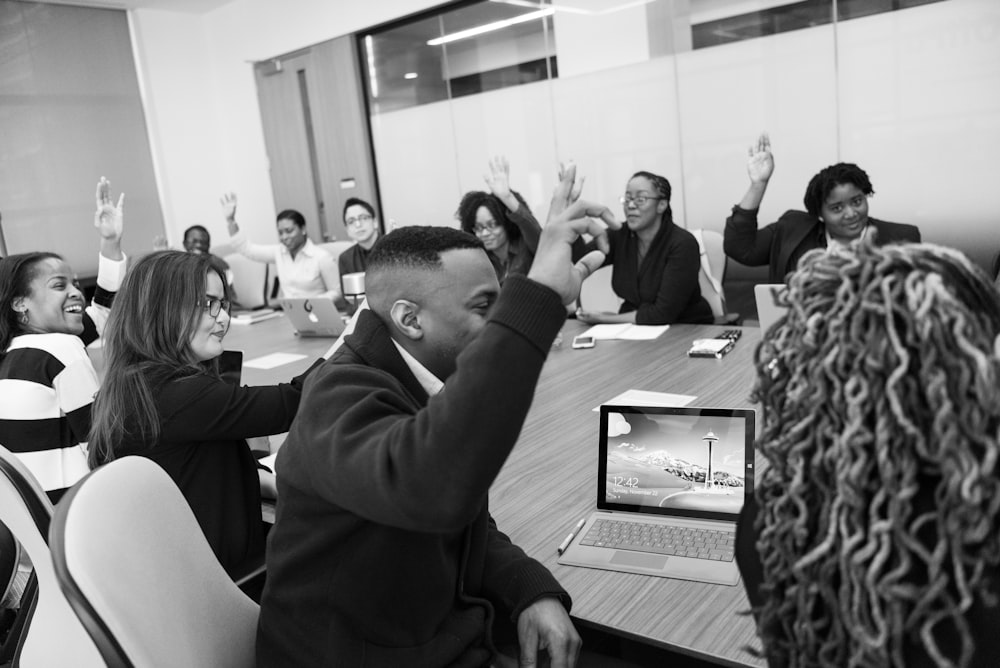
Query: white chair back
{"points": [[138, 571], [335, 248], [596, 293], [52, 634], [713, 266]]}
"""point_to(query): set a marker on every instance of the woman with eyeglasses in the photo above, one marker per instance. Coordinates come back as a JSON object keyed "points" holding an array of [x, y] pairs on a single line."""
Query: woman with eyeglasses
{"points": [[163, 398], [502, 220], [656, 262], [836, 214], [47, 380], [362, 226], [304, 269]]}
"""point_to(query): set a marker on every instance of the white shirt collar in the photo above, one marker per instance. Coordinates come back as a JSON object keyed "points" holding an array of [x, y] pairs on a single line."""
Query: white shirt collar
{"points": [[431, 384]]}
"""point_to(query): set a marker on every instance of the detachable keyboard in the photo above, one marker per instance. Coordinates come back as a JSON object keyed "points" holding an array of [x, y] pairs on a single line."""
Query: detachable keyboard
{"points": [[661, 539]]}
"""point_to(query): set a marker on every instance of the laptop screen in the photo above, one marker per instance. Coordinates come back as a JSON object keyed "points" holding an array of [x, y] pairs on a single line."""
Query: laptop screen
{"points": [[689, 462]]}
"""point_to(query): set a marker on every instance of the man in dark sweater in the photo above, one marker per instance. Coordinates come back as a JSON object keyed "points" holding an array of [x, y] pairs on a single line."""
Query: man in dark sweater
{"points": [[383, 551]]}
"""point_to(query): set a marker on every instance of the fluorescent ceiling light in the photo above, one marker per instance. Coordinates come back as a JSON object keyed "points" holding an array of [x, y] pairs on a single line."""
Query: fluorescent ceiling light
{"points": [[370, 57], [410, 75], [490, 27], [613, 6]]}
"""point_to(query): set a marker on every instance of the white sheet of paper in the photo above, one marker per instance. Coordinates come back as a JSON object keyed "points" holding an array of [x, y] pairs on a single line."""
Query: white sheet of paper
{"points": [[647, 398], [604, 332], [273, 360], [626, 332], [643, 332]]}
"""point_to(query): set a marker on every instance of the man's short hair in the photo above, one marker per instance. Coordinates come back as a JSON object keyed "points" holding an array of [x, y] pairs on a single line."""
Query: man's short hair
{"points": [[418, 247], [197, 228]]}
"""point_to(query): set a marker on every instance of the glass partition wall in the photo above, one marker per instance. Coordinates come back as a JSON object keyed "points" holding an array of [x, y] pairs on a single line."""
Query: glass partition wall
{"points": [[908, 89]]}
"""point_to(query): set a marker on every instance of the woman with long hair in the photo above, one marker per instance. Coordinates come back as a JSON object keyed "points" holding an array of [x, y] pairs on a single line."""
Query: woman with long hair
{"points": [[47, 380], [163, 398], [656, 262], [874, 537]]}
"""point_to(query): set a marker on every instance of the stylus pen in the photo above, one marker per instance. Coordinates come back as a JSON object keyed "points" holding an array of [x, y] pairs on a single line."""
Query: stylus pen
{"points": [[572, 534]]}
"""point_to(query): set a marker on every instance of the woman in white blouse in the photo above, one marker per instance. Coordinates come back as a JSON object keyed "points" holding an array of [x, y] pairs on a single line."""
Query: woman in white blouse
{"points": [[304, 269]]}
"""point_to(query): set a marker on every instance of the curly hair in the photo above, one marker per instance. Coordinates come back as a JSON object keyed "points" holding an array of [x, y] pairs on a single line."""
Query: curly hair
{"points": [[469, 206], [822, 184], [878, 523]]}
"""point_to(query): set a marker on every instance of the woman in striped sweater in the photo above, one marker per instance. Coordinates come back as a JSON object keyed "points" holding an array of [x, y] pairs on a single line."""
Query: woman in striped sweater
{"points": [[47, 381]]}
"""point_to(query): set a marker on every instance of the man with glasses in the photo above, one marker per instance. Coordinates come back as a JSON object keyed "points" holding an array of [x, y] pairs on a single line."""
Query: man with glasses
{"points": [[362, 226]]}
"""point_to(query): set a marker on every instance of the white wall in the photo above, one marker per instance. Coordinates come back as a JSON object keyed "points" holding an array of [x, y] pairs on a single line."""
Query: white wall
{"points": [[913, 96], [201, 98]]}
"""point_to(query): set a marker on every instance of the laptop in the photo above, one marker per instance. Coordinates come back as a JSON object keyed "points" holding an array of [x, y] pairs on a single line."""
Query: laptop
{"points": [[313, 316], [769, 307], [670, 486]]}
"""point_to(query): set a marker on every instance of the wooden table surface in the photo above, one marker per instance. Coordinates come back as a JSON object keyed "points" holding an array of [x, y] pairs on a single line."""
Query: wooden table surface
{"points": [[549, 481]]}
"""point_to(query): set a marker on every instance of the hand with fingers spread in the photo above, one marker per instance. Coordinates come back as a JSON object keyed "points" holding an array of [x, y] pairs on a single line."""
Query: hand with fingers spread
{"points": [[499, 182], [228, 202], [569, 219], [109, 220], [109, 216], [760, 164], [545, 625]]}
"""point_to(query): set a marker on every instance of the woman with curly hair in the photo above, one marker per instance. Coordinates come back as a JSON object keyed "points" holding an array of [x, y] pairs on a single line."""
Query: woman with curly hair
{"points": [[502, 220], [874, 538]]}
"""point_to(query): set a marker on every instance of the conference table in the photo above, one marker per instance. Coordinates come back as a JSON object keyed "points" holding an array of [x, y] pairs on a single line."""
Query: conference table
{"points": [[549, 481]]}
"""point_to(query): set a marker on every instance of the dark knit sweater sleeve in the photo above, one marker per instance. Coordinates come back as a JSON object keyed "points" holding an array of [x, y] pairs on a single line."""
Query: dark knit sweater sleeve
{"points": [[515, 580], [428, 471], [743, 242]]}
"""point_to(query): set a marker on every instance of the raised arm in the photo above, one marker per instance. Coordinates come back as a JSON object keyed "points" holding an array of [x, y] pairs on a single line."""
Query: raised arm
{"points": [[258, 252], [742, 241], [519, 213], [111, 263]]}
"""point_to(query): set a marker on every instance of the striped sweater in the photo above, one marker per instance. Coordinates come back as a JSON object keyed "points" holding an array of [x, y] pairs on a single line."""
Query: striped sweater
{"points": [[47, 384]]}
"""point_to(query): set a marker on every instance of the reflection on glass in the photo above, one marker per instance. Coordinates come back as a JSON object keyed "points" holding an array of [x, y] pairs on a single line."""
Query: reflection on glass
{"points": [[472, 49]]}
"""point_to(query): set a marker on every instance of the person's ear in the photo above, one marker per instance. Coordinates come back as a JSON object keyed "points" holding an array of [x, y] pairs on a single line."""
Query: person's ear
{"points": [[661, 206], [404, 315], [17, 304]]}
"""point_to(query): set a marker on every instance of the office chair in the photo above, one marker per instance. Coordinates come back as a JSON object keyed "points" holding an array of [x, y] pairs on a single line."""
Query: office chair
{"points": [[45, 632], [137, 570], [710, 276], [596, 293], [335, 248]]}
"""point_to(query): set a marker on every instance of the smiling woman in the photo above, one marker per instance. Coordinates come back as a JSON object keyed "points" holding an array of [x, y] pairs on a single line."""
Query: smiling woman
{"points": [[47, 381], [163, 398]]}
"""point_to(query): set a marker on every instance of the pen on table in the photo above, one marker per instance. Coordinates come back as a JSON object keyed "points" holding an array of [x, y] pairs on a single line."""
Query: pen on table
{"points": [[572, 534]]}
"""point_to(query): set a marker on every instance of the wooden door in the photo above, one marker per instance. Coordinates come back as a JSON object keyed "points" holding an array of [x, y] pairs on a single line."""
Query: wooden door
{"points": [[282, 91], [316, 132]]}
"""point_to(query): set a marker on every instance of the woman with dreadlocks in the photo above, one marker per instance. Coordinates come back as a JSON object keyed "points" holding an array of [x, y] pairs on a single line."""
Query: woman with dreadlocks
{"points": [[836, 214], [656, 262], [874, 535]]}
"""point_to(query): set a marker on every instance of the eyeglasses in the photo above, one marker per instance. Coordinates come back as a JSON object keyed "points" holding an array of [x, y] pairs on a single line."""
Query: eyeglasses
{"points": [[638, 200], [363, 218], [491, 226], [214, 305]]}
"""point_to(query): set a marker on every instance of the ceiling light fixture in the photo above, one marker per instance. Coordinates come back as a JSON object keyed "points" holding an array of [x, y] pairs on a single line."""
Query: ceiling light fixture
{"points": [[410, 75], [490, 27]]}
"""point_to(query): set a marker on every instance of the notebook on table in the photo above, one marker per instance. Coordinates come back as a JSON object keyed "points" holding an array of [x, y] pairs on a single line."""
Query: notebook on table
{"points": [[313, 316], [671, 483], [768, 310]]}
